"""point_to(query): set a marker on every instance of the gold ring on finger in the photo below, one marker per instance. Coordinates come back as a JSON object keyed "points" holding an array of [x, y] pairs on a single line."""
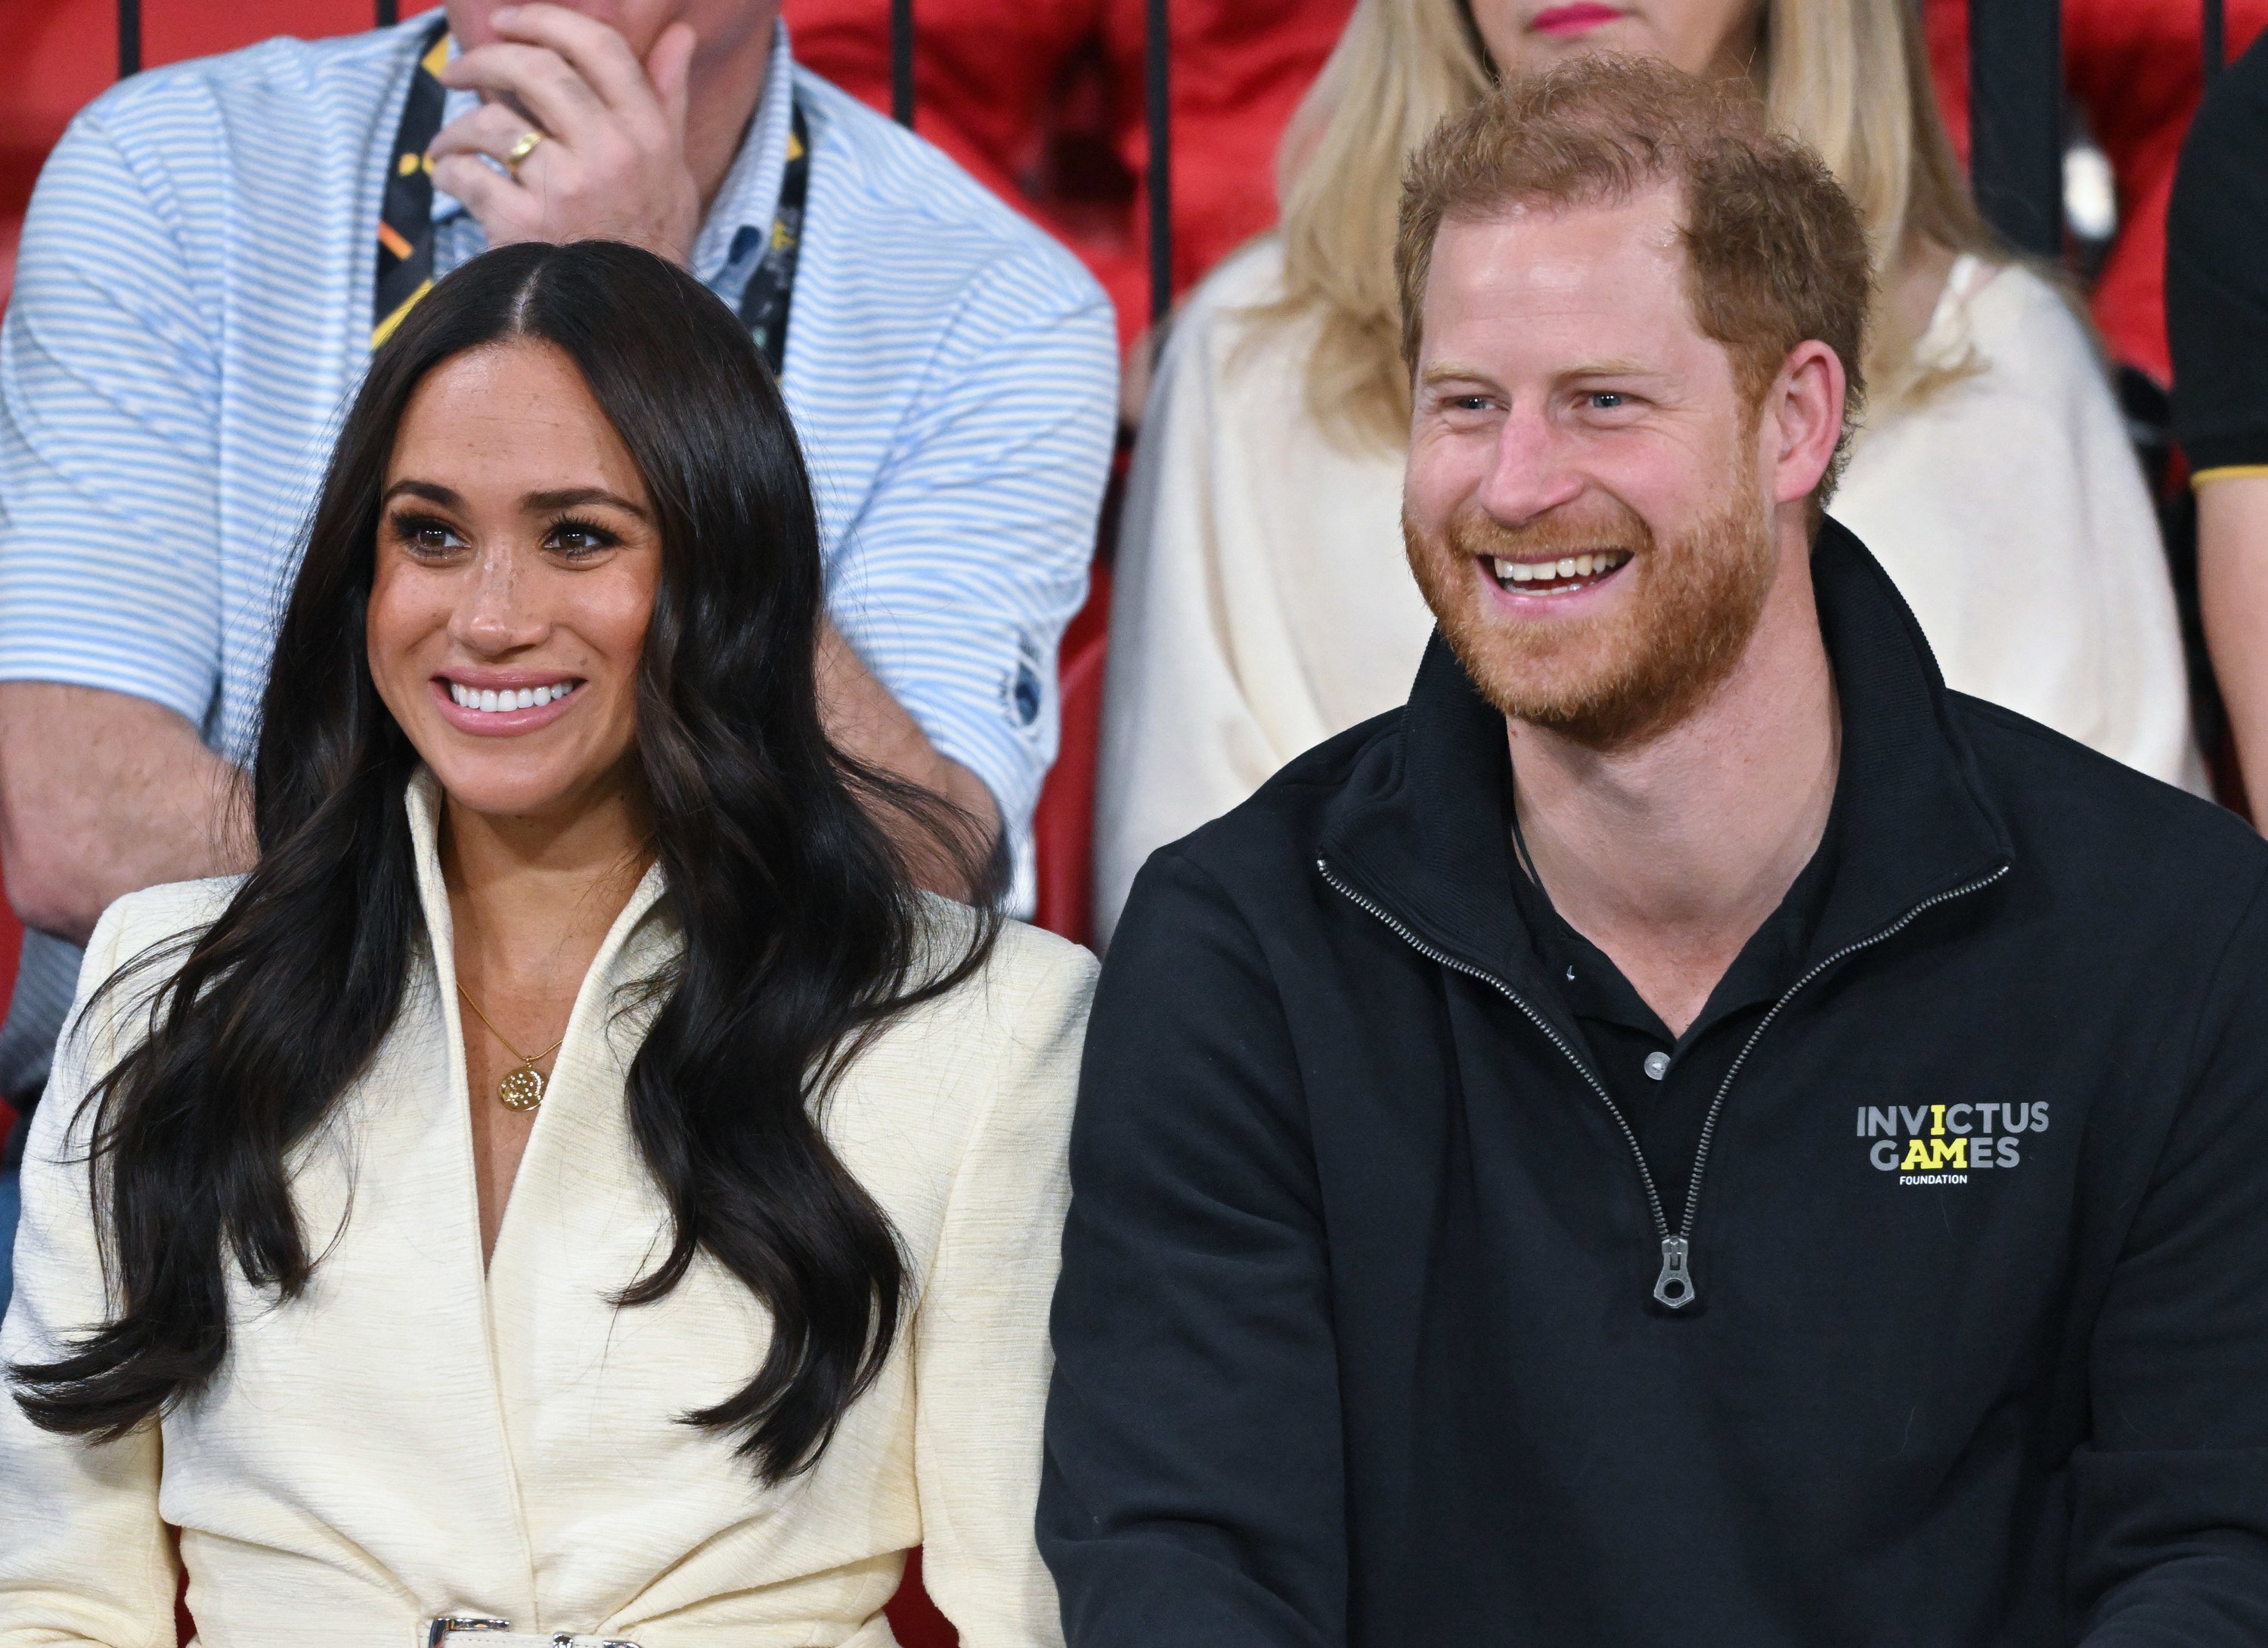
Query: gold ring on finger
{"points": [[520, 150]]}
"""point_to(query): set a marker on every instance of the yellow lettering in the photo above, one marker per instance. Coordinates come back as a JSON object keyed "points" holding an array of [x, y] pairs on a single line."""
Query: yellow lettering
{"points": [[1917, 1157], [1949, 1153], [1936, 1119]]}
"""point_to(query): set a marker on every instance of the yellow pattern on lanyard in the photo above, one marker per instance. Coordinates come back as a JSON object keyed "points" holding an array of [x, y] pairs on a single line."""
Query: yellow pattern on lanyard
{"points": [[405, 222]]}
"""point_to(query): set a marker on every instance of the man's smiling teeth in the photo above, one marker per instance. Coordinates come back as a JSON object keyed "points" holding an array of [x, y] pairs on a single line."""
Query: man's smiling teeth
{"points": [[1510, 573], [509, 698]]}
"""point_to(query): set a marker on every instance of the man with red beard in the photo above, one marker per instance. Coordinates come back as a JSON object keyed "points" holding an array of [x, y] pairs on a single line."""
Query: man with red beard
{"points": [[1690, 1130]]}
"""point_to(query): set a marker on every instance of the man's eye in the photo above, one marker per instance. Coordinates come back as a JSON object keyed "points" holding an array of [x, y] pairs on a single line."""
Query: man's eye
{"points": [[1607, 400], [1469, 403]]}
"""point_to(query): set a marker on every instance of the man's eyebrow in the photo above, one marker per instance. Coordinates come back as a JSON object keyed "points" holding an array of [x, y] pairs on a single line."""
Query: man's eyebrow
{"points": [[1454, 371], [1614, 369]]}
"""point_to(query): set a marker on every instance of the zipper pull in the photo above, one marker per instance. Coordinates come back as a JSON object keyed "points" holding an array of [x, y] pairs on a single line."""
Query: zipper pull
{"points": [[1674, 1287]]}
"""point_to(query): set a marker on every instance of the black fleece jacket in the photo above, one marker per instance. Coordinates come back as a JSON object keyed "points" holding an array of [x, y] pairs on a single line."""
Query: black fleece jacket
{"points": [[1361, 1336]]}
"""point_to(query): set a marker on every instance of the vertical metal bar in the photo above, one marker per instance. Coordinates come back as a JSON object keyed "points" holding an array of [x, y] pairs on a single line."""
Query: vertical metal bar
{"points": [[389, 13], [1157, 55], [2015, 114], [129, 38], [901, 62], [2216, 40]]}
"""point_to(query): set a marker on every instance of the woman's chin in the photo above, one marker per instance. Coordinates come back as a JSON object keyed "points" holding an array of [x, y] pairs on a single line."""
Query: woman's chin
{"points": [[493, 788]]}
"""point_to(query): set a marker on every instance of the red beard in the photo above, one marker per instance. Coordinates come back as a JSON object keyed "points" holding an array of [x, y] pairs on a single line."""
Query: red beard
{"points": [[1615, 680]]}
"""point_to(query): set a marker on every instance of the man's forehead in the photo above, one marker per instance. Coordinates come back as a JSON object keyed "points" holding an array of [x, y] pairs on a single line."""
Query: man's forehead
{"points": [[1553, 244], [1612, 268]]}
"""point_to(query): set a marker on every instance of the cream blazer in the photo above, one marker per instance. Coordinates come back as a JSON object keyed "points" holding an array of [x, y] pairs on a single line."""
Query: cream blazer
{"points": [[1262, 602], [415, 1437]]}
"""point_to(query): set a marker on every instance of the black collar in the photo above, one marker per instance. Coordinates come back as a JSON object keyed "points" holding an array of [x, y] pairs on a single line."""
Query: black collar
{"points": [[1419, 828]]}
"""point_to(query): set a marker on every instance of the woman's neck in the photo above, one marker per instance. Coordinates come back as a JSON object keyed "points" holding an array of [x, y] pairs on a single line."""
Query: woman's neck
{"points": [[532, 899]]}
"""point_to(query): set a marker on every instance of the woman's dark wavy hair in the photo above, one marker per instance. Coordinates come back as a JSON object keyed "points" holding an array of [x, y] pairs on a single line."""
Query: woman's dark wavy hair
{"points": [[803, 932]]}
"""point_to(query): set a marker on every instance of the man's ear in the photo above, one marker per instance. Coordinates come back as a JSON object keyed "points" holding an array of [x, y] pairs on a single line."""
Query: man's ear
{"points": [[1802, 420]]}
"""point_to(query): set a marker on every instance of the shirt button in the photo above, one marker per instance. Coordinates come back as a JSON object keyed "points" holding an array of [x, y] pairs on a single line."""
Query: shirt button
{"points": [[1657, 1065]]}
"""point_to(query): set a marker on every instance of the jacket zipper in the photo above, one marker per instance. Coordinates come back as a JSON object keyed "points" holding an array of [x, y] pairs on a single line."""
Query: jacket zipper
{"points": [[1674, 1287]]}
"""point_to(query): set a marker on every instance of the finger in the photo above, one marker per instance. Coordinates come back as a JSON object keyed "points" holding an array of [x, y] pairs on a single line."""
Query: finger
{"points": [[491, 129], [490, 197], [539, 80], [597, 53], [669, 66]]}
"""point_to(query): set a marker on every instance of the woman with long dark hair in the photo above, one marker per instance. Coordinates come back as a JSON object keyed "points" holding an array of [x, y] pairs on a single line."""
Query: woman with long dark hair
{"points": [[576, 1186]]}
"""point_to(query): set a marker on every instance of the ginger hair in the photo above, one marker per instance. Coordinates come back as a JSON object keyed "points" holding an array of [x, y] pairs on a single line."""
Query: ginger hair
{"points": [[1776, 253]]}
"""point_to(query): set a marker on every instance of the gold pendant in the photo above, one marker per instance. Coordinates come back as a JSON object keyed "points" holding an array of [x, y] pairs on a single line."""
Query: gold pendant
{"points": [[521, 1090]]}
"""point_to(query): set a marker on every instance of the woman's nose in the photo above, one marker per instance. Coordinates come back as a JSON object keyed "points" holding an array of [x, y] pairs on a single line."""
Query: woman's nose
{"points": [[494, 611]]}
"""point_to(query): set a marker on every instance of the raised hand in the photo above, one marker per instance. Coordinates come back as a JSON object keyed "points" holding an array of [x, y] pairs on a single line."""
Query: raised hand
{"points": [[595, 139]]}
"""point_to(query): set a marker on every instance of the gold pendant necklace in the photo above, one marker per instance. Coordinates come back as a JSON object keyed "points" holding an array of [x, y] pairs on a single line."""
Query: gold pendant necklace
{"points": [[522, 1086]]}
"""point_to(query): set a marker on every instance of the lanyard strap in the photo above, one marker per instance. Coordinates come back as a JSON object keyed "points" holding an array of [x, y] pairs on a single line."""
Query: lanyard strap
{"points": [[405, 216], [405, 221], [772, 285]]}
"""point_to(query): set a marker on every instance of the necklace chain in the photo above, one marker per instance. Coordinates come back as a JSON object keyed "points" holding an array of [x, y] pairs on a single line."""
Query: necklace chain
{"points": [[522, 1087]]}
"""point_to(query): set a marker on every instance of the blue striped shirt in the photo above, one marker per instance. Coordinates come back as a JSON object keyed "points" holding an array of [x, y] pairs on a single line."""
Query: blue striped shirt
{"points": [[192, 311]]}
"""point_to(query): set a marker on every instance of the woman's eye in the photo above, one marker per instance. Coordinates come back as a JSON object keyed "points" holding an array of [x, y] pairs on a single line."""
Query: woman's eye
{"points": [[574, 538], [421, 535]]}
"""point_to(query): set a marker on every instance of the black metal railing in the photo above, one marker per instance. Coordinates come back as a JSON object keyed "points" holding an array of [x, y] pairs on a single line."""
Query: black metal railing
{"points": [[2016, 121], [1158, 118], [901, 63]]}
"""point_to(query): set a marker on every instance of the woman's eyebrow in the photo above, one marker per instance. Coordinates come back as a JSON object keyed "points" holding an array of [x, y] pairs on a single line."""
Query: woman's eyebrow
{"points": [[532, 502], [431, 491], [571, 497]]}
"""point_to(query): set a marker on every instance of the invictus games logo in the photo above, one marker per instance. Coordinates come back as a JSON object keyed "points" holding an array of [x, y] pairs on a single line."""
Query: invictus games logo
{"points": [[1959, 1139]]}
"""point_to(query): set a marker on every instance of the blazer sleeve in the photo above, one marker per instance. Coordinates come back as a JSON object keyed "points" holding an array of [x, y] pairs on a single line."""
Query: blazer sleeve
{"points": [[2170, 1525], [981, 1359], [85, 1556], [1194, 1492]]}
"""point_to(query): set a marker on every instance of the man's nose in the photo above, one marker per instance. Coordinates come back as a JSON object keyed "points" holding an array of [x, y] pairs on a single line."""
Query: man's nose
{"points": [[493, 613], [1532, 471]]}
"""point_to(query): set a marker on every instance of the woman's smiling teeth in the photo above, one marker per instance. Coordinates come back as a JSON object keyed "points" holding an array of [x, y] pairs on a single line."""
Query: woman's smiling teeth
{"points": [[508, 698], [1562, 577]]}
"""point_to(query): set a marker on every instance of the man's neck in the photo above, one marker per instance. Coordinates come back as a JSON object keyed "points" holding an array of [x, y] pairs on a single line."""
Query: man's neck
{"points": [[726, 83], [1669, 856]]}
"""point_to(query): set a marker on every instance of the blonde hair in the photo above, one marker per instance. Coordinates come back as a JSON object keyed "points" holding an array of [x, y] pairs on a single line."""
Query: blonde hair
{"points": [[1849, 77]]}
